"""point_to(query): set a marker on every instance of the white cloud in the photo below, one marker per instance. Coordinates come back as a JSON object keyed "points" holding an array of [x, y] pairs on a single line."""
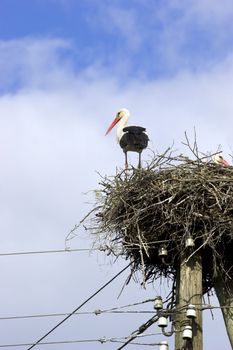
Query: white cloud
{"points": [[193, 34], [124, 22], [165, 37], [211, 10], [33, 61]]}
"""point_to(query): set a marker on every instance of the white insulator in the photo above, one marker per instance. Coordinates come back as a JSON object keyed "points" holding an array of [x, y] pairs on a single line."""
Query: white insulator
{"points": [[158, 303], [191, 311], [162, 251], [162, 322], [187, 332], [163, 345], [189, 242]]}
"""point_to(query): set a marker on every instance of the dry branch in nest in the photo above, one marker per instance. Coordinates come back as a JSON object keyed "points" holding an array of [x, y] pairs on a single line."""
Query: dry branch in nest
{"points": [[159, 206]]}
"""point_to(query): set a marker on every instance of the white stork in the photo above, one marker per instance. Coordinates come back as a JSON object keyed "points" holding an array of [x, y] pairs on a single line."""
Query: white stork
{"points": [[218, 159], [130, 138]]}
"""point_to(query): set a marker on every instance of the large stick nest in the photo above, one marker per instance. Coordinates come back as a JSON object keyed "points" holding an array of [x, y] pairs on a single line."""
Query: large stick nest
{"points": [[160, 206]]}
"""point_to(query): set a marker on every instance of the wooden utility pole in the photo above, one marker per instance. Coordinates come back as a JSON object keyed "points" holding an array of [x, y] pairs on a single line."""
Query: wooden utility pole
{"points": [[189, 291], [224, 292]]}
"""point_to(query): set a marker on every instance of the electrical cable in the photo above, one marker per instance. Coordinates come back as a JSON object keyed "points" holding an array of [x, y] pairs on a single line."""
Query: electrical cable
{"points": [[101, 340], [115, 310], [101, 248], [79, 307], [97, 312], [140, 330], [49, 251]]}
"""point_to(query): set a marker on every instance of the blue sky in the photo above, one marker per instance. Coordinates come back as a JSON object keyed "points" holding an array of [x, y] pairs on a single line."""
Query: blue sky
{"points": [[134, 38], [66, 67]]}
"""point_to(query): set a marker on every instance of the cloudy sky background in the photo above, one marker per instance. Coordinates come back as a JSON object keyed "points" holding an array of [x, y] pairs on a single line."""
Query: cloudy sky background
{"points": [[66, 67]]}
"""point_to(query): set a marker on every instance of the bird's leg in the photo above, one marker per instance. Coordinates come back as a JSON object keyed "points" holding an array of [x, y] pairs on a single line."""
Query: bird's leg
{"points": [[140, 161], [126, 161]]}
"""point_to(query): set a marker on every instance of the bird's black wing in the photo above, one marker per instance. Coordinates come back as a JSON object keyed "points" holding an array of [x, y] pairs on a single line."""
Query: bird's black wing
{"points": [[134, 139], [134, 129]]}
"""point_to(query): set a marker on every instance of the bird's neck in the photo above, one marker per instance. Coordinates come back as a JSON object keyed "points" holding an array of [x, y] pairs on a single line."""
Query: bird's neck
{"points": [[121, 124]]}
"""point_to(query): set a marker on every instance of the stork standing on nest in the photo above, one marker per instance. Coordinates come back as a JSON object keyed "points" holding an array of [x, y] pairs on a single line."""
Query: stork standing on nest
{"points": [[130, 138]]}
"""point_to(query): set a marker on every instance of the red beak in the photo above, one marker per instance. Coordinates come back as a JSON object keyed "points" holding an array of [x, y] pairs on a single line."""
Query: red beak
{"points": [[225, 163], [115, 121]]}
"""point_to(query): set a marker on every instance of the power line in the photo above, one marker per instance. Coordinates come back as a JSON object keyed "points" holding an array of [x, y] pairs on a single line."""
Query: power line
{"points": [[130, 305], [140, 330], [101, 248], [49, 251], [96, 312], [100, 340], [99, 311], [115, 310], [79, 307]]}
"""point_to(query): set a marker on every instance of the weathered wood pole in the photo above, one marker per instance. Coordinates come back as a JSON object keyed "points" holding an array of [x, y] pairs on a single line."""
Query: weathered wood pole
{"points": [[189, 291], [224, 292]]}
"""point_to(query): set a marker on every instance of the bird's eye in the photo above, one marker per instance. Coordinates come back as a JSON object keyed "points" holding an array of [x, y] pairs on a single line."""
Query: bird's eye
{"points": [[221, 157]]}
